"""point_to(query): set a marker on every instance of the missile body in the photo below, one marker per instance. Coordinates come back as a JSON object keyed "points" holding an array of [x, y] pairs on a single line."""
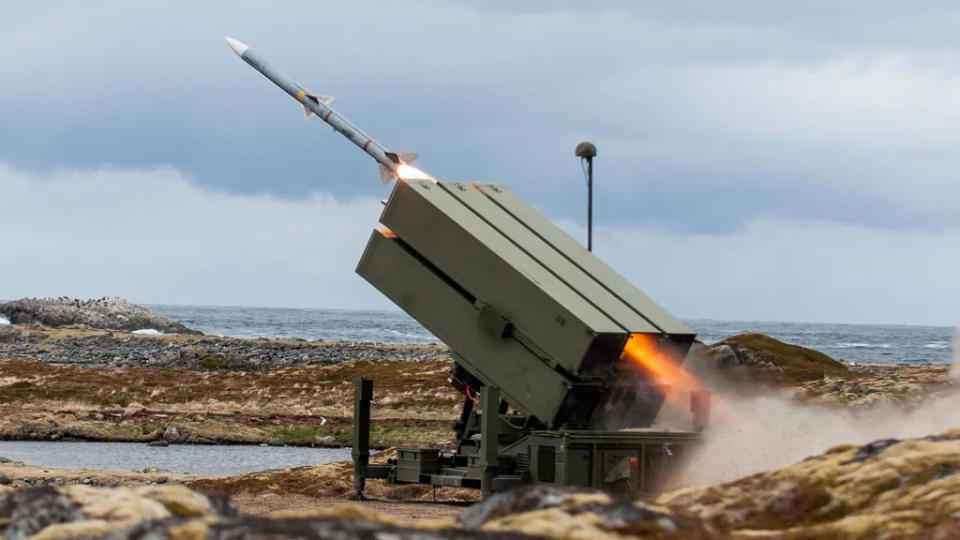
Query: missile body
{"points": [[320, 106]]}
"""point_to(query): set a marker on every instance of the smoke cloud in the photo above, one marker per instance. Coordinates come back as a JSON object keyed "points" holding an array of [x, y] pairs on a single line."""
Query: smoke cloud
{"points": [[750, 434]]}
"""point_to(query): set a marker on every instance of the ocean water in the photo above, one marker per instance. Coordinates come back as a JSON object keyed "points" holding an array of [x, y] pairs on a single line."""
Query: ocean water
{"points": [[214, 460], [892, 344]]}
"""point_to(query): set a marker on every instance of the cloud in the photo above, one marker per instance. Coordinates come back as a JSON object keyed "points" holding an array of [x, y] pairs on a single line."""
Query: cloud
{"points": [[791, 270], [705, 118], [155, 236]]}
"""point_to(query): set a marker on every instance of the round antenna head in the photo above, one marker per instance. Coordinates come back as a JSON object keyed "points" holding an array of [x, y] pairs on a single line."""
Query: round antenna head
{"points": [[586, 150]]}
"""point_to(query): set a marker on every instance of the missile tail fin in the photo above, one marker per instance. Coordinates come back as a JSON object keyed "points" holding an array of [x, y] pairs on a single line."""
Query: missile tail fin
{"points": [[402, 157], [386, 175], [326, 100]]}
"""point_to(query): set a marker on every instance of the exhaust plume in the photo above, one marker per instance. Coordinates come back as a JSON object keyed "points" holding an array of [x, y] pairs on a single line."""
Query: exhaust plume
{"points": [[754, 433]]}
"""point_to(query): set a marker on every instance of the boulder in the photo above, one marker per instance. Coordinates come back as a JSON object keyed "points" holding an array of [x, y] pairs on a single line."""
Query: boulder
{"points": [[555, 512], [172, 434]]}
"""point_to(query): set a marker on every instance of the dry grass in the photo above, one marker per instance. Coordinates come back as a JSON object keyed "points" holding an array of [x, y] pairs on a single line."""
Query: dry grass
{"points": [[413, 403]]}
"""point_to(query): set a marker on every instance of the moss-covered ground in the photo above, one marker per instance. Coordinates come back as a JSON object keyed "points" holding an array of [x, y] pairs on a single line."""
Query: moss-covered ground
{"points": [[304, 405]]}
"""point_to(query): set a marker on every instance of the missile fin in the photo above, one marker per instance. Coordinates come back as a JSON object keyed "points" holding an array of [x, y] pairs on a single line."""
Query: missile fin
{"points": [[408, 157], [326, 100], [386, 175]]}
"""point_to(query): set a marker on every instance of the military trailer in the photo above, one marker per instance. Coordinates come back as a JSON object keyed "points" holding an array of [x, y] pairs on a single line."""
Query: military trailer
{"points": [[537, 327]]}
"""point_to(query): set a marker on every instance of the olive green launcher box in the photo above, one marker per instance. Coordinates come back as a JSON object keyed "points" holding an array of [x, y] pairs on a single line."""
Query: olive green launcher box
{"points": [[537, 326]]}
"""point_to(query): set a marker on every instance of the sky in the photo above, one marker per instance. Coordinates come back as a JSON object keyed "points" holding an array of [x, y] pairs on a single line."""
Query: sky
{"points": [[756, 160]]}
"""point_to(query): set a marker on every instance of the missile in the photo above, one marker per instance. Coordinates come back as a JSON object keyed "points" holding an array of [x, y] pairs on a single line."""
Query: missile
{"points": [[392, 165]]}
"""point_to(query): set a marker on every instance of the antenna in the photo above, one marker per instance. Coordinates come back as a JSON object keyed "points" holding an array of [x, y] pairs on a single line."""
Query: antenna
{"points": [[586, 151]]}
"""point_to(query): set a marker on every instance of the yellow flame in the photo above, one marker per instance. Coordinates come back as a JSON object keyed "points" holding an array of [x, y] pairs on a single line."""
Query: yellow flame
{"points": [[659, 361], [409, 172], [662, 363]]}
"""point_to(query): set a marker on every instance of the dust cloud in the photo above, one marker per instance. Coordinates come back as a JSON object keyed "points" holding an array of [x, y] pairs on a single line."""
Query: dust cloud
{"points": [[763, 432]]}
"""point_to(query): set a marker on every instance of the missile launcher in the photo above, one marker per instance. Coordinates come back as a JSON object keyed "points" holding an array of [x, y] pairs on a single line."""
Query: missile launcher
{"points": [[537, 327]]}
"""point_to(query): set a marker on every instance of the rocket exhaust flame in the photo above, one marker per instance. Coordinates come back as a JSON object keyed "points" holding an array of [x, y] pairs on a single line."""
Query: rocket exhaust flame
{"points": [[409, 172], [660, 362]]}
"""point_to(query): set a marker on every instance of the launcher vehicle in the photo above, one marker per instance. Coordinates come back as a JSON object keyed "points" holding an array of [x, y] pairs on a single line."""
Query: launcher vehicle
{"points": [[567, 360], [564, 354]]}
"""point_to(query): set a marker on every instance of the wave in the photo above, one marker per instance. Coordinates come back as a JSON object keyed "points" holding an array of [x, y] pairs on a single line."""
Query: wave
{"points": [[409, 334], [148, 331], [938, 345], [860, 346], [4, 321]]}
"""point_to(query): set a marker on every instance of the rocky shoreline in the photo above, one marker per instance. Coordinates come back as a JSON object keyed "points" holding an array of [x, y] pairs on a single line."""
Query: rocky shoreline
{"points": [[83, 346]]}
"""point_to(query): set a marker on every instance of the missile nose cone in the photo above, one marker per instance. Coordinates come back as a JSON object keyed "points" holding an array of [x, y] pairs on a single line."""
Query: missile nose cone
{"points": [[238, 46]]}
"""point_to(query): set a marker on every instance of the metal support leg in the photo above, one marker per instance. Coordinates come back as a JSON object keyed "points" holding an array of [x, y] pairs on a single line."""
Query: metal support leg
{"points": [[363, 394], [489, 424]]}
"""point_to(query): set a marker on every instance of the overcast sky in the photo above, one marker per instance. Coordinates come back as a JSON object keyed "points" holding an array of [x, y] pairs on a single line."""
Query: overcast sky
{"points": [[757, 160]]}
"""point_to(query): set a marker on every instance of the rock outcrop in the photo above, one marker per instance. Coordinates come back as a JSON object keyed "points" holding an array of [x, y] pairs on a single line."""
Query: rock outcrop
{"points": [[103, 313], [177, 512], [553, 512], [749, 364], [886, 489], [758, 358]]}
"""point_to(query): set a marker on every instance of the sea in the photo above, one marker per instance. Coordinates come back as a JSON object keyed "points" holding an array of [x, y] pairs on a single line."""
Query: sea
{"points": [[857, 343]]}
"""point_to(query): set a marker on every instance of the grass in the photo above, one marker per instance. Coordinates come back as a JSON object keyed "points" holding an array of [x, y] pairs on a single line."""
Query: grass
{"points": [[213, 363], [299, 434], [412, 402]]}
